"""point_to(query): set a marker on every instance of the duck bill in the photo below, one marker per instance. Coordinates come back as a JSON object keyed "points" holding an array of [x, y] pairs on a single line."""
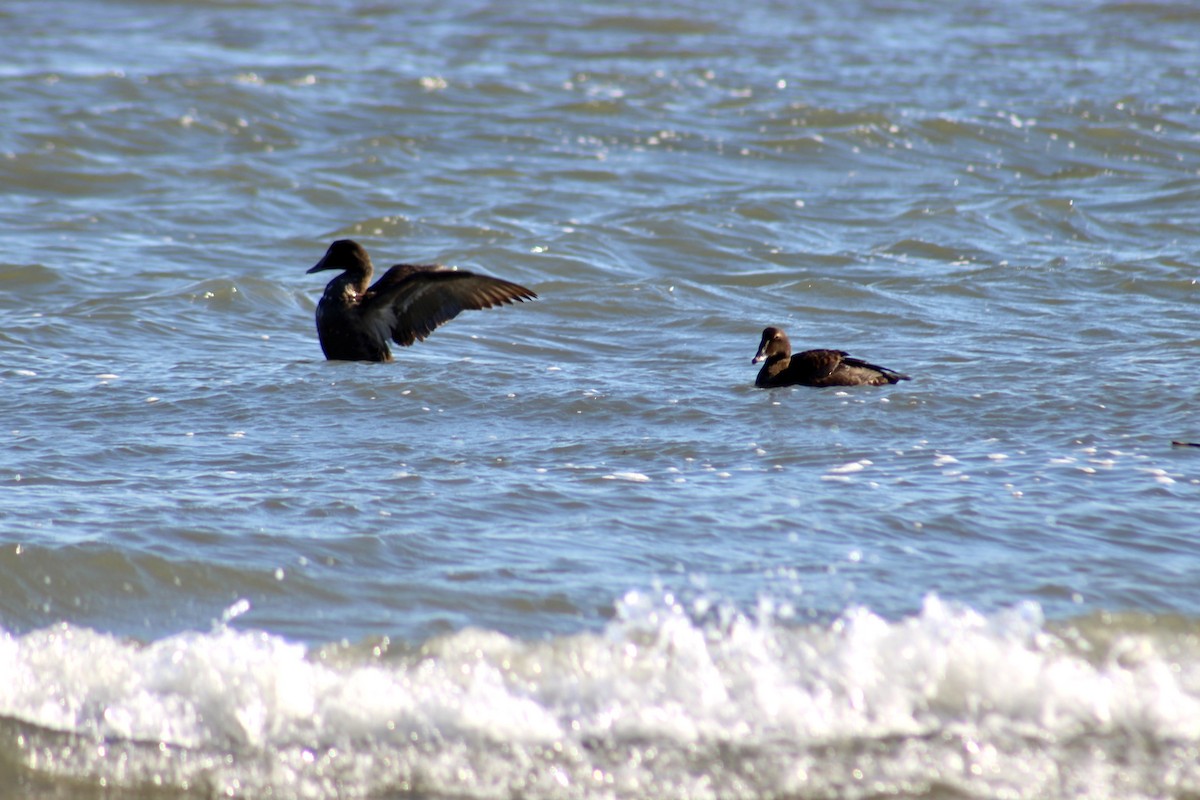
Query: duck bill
{"points": [[320, 265], [759, 356]]}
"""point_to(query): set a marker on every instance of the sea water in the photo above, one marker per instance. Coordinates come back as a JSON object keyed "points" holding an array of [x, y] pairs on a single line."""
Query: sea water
{"points": [[566, 548]]}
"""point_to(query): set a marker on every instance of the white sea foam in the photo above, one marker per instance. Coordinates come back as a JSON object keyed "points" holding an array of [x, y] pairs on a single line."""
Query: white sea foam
{"points": [[634, 477], [668, 701]]}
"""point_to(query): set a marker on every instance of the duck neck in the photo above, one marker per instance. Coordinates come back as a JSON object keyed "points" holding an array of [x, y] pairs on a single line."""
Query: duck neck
{"points": [[351, 284], [773, 366]]}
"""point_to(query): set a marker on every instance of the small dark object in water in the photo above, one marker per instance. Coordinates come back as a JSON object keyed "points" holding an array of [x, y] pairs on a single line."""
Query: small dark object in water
{"points": [[1186, 444], [355, 323], [814, 367]]}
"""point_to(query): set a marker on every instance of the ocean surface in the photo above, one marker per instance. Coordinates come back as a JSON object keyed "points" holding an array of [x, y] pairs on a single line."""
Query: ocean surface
{"points": [[566, 549]]}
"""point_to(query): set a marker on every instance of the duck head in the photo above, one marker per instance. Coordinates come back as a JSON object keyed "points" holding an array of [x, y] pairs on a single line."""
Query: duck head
{"points": [[346, 255], [774, 345]]}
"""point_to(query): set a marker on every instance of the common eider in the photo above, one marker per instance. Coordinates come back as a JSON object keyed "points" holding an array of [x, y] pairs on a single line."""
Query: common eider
{"points": [[814, 367], [355, 323]]}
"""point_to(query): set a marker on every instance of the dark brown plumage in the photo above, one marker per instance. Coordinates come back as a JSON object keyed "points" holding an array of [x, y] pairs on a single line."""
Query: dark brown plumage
{"points": [[355, 323], [814, 367]]}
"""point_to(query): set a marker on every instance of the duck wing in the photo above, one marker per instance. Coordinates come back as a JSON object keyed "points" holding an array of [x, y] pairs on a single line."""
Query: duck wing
{"points": [[873, 373], [838, 368], [410, 300], [815, 366]]}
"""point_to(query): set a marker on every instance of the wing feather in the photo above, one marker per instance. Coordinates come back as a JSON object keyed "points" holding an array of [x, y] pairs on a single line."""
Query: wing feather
{"points": [[410, 301], [817, 364]]}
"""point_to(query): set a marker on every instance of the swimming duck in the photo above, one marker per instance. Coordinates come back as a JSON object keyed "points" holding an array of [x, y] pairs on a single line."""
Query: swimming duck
{"points": [[355, 323], [814, 367]]}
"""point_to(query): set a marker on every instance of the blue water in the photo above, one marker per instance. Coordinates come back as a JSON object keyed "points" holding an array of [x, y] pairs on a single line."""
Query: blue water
{"points": [[566, 548]]}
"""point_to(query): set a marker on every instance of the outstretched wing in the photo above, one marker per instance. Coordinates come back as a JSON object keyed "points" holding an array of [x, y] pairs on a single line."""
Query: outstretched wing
{"points": [[410, 301]]}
